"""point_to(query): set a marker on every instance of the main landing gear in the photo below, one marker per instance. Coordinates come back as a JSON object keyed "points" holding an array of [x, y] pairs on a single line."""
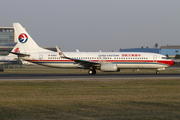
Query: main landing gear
{"points": [[92, 71]]}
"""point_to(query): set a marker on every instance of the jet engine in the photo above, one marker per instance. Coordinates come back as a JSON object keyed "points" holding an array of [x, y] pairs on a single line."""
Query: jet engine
{"points": [[109, 68]]}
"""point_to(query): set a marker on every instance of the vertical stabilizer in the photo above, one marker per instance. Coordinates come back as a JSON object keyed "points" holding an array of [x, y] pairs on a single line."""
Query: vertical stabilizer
{"points": [[25, 42]]}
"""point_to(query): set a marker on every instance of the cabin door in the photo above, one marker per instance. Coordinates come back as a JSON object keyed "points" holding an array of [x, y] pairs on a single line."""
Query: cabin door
{"points": [[155, 58], [40, 57]]}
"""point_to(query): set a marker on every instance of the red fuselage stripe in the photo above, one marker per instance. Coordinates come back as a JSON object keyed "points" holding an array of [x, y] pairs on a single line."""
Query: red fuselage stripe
{"points": [[167, 62]]}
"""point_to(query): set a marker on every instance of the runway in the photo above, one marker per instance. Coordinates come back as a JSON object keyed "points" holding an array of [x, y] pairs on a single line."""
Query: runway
{"points": [[84, 76]]}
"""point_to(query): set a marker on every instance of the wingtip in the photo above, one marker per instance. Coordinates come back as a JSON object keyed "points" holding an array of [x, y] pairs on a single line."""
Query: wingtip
{"points": [[15, 23]]}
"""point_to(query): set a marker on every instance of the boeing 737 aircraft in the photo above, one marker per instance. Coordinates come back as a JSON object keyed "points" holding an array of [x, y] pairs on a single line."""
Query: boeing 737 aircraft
{"points": [[104, 61], [11, 58]]}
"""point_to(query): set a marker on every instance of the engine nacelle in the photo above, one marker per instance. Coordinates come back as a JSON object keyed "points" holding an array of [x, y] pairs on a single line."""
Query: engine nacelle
{"points": [[109, 68]]}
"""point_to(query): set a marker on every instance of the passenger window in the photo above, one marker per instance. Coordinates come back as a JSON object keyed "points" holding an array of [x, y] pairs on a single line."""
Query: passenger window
{"points": [[164, 57]]}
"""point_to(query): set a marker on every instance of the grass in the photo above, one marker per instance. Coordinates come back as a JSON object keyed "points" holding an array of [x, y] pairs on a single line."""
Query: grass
{"points": [[142, 99]]}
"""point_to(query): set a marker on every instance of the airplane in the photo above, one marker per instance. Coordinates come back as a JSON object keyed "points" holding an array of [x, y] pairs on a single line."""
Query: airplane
{"points": [[104, 61], [10, 58]]}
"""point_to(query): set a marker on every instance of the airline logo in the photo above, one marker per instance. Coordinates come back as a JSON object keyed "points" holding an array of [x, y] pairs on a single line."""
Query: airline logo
{"points": [[131, 55], [60, 53], [16, 50], [23, 38]]}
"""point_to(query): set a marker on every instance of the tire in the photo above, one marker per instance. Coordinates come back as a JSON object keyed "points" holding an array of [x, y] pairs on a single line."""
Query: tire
{"points": [[92, 72]]}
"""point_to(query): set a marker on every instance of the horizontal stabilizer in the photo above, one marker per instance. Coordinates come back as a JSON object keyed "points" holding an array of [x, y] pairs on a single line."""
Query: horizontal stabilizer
{"points": [[20, 54]]}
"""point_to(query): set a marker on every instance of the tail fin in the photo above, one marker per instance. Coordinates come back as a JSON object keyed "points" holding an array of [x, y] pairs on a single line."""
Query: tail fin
{"points": [[25, 42]]}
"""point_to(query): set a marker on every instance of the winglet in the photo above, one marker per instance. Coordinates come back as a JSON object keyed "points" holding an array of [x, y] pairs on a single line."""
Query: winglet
{"points": [[60, 52], [77, 50]]}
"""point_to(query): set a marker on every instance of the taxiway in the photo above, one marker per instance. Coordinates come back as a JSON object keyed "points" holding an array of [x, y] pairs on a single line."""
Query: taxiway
{"points": [[83, 76]]}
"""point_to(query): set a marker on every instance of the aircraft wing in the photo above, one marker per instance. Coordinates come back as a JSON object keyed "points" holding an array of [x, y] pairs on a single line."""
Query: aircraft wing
{"points": [[85, 63]]}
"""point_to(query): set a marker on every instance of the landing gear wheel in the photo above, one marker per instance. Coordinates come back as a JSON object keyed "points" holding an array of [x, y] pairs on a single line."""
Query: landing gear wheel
{"points": [[92, 72], [157, 72]]}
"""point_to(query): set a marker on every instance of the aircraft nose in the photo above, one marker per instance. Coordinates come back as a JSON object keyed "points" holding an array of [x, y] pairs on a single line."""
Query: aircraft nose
{"points": [[172, 62]]}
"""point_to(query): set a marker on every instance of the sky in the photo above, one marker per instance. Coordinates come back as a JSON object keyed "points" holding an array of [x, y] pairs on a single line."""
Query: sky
{"points": [[93, 25]]}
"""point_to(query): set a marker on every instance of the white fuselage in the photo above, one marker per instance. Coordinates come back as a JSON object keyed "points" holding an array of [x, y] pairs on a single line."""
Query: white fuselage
{"points": [[121, 59]]}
